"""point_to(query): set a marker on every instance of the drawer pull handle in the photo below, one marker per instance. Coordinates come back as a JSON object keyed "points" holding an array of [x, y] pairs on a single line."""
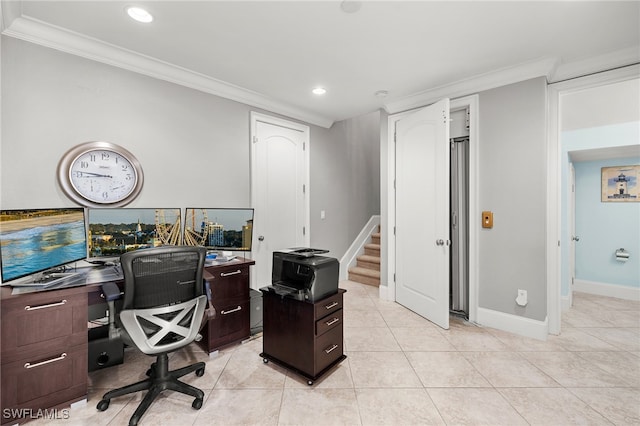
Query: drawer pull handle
{"points": [[222, 274], [333, 321], [331, 349], [231, 311], [333, 305], [38, 364], [50, 305]]}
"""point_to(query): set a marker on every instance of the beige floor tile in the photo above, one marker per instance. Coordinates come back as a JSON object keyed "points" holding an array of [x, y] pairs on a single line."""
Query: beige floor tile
{"points": [[421, 339], [624, 365], [369, 339], [397, 407], [620, 405], [395, 315], [508, 369], [363, 318], [473, 339], [552, 406], [240, 407], [319, 407], [382, 370], [246, 370], [626, 339], [483, 406], [570, 370], [445, 370], [526, 344], [338, 377], [574, 339]]}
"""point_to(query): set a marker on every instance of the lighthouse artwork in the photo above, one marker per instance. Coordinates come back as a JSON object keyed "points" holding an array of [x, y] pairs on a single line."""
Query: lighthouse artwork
{"points": [[620, 183]]}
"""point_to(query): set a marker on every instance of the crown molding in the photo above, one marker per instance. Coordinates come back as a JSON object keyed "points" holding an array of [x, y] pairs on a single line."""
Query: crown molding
{"points": [[54, 37], [608, 61], [490, 80]]}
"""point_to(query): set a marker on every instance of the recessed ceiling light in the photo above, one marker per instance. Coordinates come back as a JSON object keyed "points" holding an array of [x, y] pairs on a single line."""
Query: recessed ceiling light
{"points": [[139, 14], [350, 6], [319, 91]]}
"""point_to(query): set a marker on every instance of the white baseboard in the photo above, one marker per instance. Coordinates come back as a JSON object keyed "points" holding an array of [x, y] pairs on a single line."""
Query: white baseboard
{"points": [[357, 247], [610, 290], [383, 293], [513, 323]]}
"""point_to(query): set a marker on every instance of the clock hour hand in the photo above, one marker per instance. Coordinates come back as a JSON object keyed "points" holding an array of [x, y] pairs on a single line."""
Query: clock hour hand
{"points": [[91, 174]]}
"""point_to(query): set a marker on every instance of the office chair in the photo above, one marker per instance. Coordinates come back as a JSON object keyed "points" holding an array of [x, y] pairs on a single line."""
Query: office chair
{"points": [[162, 311]]}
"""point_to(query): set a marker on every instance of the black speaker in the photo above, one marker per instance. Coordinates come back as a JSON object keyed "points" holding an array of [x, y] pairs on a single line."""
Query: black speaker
{"points": [[104, 352]]}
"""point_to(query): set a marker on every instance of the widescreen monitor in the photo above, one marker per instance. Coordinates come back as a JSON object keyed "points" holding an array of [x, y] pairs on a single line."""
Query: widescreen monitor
{"points": [[40, 240], [221, 229], [115, 231]]}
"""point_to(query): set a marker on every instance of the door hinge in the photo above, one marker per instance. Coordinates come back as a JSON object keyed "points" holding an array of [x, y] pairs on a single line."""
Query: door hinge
{"points": [[394, 184], [304, 230], [304, 188], [394, 230], [394, 137], [304, 146], [394, 277], [467, 119]]}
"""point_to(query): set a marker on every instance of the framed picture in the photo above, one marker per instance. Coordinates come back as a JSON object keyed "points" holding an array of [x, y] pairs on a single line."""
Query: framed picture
{"points": [[620, 184]]}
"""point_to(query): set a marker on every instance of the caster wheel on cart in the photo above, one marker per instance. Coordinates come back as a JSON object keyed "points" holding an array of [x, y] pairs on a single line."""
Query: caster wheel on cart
{"points": [[200, 372], [310, 382], [197, 403], [265, 360]]}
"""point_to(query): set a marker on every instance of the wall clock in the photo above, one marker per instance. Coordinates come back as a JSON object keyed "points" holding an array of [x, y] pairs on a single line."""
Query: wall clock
{"points": [[100, 174]]}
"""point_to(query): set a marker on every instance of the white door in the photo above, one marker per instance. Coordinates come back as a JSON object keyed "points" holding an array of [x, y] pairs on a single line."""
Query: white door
{"points": [[279, 190], [572, 230], [422, 212]]}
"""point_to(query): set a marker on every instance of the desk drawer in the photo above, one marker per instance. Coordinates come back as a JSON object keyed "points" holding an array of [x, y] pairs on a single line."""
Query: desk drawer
{"points": [[230, 325], [328, 305], [45, 381], [329, 322], [41, 323], [329, 347]]}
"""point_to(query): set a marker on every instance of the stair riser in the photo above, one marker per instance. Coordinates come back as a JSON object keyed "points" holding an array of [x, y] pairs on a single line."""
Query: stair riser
{"points": [[368, 265], [364, 280], [375, 240], [372, 252]]}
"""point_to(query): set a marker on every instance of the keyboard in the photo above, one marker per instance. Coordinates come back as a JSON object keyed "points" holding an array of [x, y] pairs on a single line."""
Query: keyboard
{"points": [[46, 280]]}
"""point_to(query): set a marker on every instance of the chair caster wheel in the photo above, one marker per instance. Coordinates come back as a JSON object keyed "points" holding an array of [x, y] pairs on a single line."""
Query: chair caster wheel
{"points": [[103, 404], [197, 403], [265, 360], [310, 382], [200, 372]]}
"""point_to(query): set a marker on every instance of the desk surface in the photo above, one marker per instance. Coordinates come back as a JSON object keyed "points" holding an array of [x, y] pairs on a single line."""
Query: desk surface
{"points": [[93, 276]]}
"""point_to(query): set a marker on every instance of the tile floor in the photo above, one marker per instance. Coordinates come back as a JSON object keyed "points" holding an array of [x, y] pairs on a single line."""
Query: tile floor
{"points": [[403, 370]]}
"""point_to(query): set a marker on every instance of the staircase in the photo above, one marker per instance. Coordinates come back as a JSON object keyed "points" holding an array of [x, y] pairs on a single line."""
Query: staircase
{"points": [[367, 269]]}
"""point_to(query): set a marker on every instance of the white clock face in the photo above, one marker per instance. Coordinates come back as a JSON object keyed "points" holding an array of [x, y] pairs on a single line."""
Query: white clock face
{"points": [[103, 176], [100, 174]]}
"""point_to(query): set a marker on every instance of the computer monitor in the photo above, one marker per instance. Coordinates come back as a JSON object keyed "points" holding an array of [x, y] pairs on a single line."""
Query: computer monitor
{"points": [[114, 231], [221, 229], [40, 240]]}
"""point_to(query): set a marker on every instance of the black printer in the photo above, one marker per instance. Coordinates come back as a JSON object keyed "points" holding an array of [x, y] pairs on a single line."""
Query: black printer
{"points": [[302, 274]]}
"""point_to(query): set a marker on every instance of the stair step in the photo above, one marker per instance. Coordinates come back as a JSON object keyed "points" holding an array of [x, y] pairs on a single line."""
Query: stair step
{"points": [[369, 262], [372, 249], [375, 238], [364, 276]]}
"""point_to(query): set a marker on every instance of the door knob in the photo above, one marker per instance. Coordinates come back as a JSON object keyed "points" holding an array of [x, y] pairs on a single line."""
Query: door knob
{"points": [[261, 238], [439, 242], [575, 238]]}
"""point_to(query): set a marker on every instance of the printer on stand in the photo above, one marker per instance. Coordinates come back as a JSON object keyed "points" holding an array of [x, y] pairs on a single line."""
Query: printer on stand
{"points": [[302, 274], [303, 313]]}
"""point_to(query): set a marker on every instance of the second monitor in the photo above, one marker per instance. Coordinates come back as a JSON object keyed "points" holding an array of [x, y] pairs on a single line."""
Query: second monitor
{"points": [[222, 229]]}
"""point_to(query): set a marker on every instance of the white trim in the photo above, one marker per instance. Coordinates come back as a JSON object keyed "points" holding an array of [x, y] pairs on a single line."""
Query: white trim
{"points": [[554, 254], [513, 323], [350, 258], [565, 303], [479, 83], [388, 292], [607, 61], [67, 41], [606, 289]]}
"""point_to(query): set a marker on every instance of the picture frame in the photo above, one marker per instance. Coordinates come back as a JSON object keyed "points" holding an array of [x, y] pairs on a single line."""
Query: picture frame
{"points": [[620, 184]]}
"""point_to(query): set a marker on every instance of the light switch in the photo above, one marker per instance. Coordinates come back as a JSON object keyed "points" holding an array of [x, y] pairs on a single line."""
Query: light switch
{"points": [[487, 219]]}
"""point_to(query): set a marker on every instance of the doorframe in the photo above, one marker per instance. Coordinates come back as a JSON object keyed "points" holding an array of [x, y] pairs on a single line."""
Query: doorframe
{"points": [[388, 291], [255, 118], [555, 92]]}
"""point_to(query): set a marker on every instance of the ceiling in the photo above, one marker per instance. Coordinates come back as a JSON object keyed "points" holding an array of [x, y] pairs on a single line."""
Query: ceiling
{"points": [[271, 54]]}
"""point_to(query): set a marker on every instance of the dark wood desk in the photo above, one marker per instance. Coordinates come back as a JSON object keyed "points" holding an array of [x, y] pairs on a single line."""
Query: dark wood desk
{"points": [[43, 354]]}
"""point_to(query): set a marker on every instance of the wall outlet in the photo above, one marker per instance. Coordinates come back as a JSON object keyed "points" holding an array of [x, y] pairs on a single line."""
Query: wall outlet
{"points": [[521, 300]]}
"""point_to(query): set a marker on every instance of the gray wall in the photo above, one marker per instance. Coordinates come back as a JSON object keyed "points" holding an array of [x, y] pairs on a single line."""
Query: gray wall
{"points": [[194, 147], [512, 174]]}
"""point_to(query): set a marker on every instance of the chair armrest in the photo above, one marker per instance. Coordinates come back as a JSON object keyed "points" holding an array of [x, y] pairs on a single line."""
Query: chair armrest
{"points": [[111, 291]]}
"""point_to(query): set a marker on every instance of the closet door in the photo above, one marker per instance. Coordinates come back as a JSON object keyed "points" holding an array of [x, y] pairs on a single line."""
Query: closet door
{"points": [[422, 212]]}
